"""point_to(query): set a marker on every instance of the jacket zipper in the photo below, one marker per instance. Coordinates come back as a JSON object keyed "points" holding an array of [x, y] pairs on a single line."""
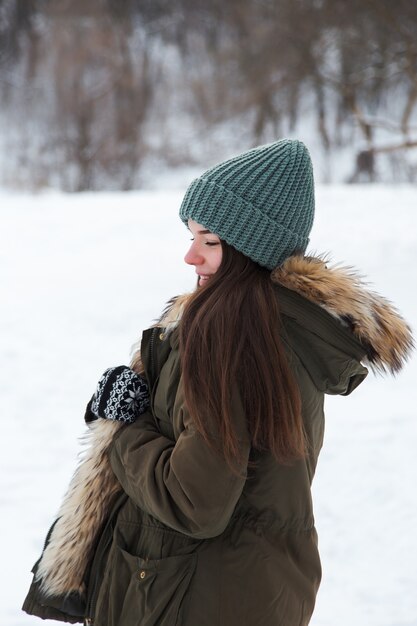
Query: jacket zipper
{"points": [[151, 352]]}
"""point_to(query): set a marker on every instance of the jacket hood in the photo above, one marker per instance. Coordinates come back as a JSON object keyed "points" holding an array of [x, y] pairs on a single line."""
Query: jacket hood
{"points": [[375, 324]]}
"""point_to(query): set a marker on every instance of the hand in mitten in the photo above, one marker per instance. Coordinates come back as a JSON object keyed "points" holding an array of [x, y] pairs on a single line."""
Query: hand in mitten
{"points": [[121, 395]]}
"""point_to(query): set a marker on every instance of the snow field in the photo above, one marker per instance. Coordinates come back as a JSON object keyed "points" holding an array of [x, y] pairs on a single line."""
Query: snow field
{"points": [[82, 275]]}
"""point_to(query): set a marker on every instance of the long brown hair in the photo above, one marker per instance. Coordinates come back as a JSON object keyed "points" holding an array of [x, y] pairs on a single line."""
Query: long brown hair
{"points": [[230, 334]]}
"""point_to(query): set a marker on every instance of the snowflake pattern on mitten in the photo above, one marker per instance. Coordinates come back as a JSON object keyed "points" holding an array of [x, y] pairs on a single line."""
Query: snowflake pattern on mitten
{"points": [[121, 395]]}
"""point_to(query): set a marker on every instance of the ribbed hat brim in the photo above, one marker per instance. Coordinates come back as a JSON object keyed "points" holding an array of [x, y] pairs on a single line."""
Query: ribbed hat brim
{"points": [[232, 218]]}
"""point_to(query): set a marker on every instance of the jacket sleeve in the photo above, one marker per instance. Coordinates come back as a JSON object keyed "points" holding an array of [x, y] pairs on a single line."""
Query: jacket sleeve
{"points": [[185, 484]]}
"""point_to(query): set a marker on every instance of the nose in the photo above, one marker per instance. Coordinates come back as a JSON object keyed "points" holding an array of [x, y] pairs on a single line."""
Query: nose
{"points": [[193, 257]]}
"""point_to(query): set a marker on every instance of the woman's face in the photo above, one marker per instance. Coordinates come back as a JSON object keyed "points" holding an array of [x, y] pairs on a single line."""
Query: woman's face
{"points": [[205, 252]]}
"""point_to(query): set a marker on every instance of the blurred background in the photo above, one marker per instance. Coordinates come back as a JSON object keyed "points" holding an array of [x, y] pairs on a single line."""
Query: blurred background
{"points": [[112, 95]]}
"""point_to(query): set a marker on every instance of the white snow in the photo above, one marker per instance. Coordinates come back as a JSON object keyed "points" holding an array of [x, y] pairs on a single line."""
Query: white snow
{"points": [[82, 275]]}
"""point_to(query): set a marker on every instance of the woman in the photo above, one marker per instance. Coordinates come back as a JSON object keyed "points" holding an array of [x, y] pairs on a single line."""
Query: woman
{"points": [[194, 503]]}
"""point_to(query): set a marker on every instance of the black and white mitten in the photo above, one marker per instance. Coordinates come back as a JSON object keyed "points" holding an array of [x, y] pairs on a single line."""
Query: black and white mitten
{"points": [[121, 395]]}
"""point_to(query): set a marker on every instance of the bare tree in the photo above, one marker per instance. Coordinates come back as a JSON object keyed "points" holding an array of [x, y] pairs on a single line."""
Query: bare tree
{"points": [[90, 82]]}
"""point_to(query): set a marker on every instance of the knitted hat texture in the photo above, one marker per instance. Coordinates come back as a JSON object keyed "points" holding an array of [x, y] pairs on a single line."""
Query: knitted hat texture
{"points": [[260, 202]]}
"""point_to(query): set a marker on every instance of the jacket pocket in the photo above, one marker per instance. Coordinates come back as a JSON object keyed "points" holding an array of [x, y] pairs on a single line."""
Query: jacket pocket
{"points": [[148, 591]]}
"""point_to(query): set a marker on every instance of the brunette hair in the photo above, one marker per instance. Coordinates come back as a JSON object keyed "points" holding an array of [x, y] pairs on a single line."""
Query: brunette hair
{"points": [[230, 333]]}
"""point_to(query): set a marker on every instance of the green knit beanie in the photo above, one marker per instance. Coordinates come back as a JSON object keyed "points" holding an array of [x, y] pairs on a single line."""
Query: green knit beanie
{"points": [[261, 202]]}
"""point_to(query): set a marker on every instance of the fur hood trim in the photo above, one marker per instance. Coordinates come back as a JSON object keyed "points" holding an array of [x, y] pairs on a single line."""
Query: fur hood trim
{"points": [[373, 320]]}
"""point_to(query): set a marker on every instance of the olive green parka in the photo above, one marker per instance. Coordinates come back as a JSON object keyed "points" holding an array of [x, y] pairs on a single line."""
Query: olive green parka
{"points": [[157, 530]]}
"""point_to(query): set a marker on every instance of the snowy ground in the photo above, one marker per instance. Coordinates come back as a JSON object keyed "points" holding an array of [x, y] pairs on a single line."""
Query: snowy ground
{"points": [[81, 276]]}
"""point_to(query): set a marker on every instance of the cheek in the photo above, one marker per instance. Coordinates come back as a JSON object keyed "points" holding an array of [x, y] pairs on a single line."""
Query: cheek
{"points": [[218, 259]]}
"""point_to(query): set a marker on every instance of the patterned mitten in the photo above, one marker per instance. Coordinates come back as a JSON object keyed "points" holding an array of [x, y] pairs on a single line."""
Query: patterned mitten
{"points": [[121, 395]]}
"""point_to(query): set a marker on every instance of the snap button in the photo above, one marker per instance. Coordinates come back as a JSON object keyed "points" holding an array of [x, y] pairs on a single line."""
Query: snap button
{"points": [[161, 336], [142, 574]]}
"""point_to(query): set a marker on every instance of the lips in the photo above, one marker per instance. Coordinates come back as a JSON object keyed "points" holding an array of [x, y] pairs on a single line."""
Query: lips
{"points": [[203, 278]]}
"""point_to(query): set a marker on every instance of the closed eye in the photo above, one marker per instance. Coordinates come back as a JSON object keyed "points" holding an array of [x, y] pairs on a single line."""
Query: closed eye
{"points": [[208, 243]]}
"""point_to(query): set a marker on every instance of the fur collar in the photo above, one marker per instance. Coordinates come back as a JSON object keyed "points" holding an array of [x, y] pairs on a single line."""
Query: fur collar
{"points": [[86, 505], [383, 333]]}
